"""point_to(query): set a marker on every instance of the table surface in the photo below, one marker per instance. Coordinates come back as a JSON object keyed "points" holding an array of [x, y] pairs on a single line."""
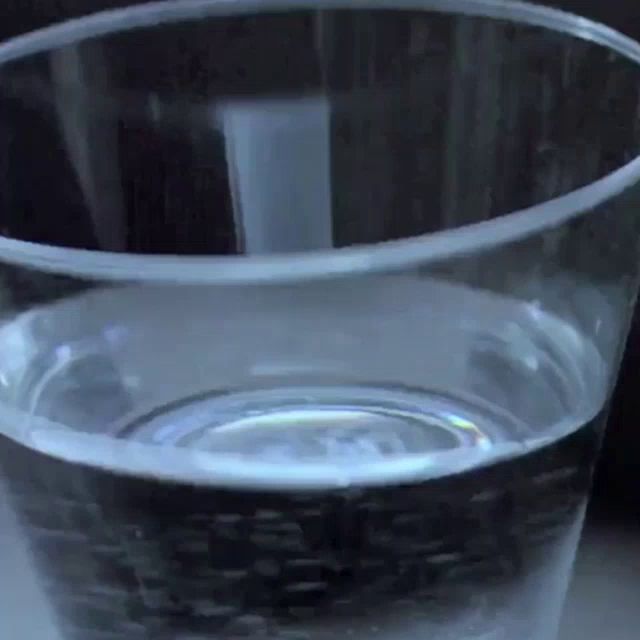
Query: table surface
{"points": [[604, 601]]}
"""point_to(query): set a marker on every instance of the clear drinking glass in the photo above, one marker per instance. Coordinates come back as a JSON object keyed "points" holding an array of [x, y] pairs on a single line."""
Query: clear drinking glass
{"points": [[310, 316]]}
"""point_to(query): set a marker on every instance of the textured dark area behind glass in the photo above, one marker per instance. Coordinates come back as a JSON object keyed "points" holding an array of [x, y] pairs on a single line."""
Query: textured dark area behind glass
{"points": [[435, 122]]}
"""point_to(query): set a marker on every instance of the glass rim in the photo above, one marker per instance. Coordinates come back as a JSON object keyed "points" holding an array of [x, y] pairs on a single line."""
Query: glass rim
{"points": [[299, 266]]}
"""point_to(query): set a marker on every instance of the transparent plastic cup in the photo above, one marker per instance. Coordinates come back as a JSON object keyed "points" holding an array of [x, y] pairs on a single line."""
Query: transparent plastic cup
{"points": [[310, 316]]}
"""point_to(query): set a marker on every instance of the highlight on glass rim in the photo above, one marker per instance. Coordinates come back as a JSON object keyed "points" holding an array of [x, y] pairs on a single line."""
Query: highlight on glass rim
{"points": [[312, 313]]}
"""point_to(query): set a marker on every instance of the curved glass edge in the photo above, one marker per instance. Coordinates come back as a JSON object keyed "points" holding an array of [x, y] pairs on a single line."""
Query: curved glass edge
{"points": [[386, 256]]}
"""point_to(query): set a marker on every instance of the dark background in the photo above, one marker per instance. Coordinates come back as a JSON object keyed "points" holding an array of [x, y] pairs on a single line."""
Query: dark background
{"points": [[618, 475]]}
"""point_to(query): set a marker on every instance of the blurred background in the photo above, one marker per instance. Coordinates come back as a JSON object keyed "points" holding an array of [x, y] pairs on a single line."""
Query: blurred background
{"points": [[606, 589]]}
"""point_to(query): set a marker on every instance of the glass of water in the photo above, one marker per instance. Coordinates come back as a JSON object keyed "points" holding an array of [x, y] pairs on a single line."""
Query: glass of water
{"points": [[310, 316]]}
